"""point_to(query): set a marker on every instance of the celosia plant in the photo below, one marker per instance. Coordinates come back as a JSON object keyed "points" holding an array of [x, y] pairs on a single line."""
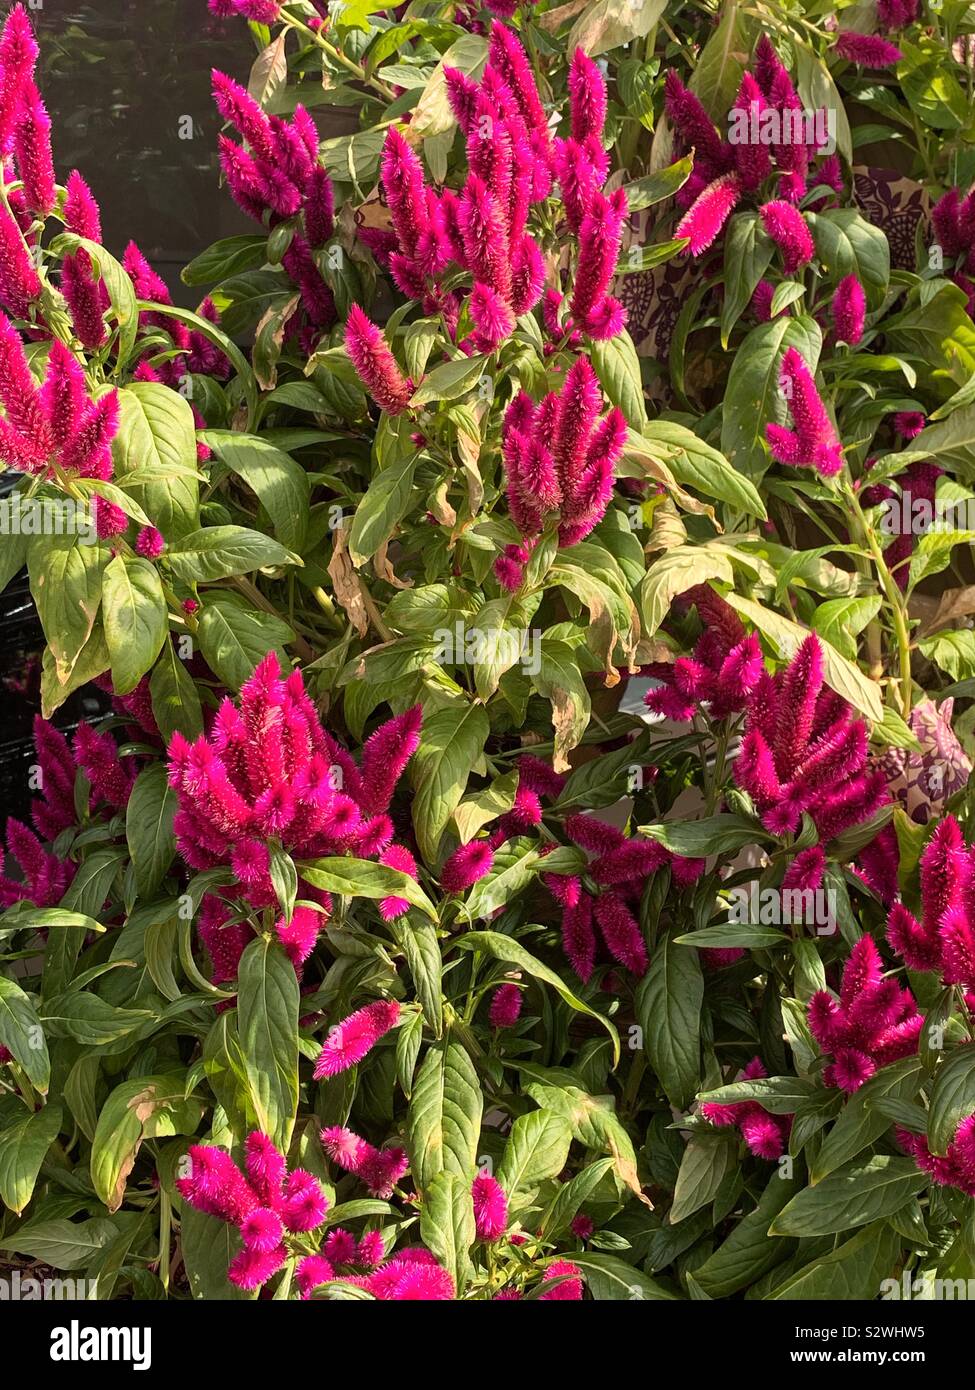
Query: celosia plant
{"points": [[525, 850]]}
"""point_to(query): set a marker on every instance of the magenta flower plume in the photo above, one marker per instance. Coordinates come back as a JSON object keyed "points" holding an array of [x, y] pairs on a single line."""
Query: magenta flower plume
{"points": [[149, 543], [20, 284], [569, 1287], [621, 932], [492, 316], [600, 237], [311, 1273], [397, 857], [805, 873], [490, 1207], [689, 120], [264, 1205], [725, 669], [813, 443], [375, 364], [866, 50], [505, 1006], [956, 1167], [944, 940], [411, 1275], [909, 423], [872, 1023], [44, 877], [379, 1169], [897, 14], [587, 97], [579, 936], [803, 751], [766, 1135], [111, 778], [849, 310], [787, 228], [54, 810], [32, 151], [705, 219], [466, 866], [385, 755], [349, 1041], [18, 59]]}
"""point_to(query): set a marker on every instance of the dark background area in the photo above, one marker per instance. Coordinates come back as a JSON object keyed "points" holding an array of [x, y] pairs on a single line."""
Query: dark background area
{"points": [[122, 79]]}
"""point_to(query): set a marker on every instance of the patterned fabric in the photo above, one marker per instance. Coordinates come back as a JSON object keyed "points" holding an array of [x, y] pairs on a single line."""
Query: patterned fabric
{"points": [[923, 781]]}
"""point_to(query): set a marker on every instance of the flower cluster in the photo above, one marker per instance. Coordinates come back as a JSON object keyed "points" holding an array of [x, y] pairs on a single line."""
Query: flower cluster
{"points": [[956, 1167], [953, 220], [918, 483], [349, 1041], [866, 50], [54, 426], [765, 1135], [379, 1169], [769, 140], [275, 176], [25, 141], [804, 752], [944, 939], [483, 228], [559, 456], [46, 876], [813, 442], [410, 1274], [265, 1202], [872, 1023], [724, 670], [268, 769]]}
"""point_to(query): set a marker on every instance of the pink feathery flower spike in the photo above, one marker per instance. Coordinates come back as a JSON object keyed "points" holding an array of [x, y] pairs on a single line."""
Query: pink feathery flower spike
{"points": [[849, 310], [466, 866], [349, 1041], [569, 1288], [813, 442], [600, 237], [867, 50], [909, 423], [766, 1135], [81, 212], [20, 284], [492, 316], [490, 1207], [505, 1006], [587, 97], [872, 1023], [32, 151], [375, 364], [705, 219], [385, 755], [956, 1167], [411, 1275], [621, 932], [149, 543], [787, 228]]}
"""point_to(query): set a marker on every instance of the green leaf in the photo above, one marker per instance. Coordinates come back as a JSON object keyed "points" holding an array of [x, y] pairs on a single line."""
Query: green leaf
{"points": [[618, 369], [447, 1224], [23, 1147], [717, 74], [443, 1123], [536, 1149], [147, 1107], [610, 1278], [267, 1021], [155, 459], [280, 483], [673, 573], [175, 703], [747, 1253], [847, 244], [136, 619], [149, 827], [218, 552], [381, 509], [859, 1123], [606, 24], [208, 1247], [66, 582], [451, 742], [853, 1271], [779, 1095], [61, 1244], [420, 945], [952, 1098], [752, 397], [21, 1033], [235, 638], [654, 188], [953, 650], [752, 938], [840, 620], [668, 1006], [697, 465], [748, 252], [229, 256], [507, 949], [361, 878], [853, 1196], [707, 1161], [450, 380]]}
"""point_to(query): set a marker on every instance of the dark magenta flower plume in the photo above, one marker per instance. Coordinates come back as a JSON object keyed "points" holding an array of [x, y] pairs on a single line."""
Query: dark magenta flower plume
{"points": [[849, 310], [866, 50], [766, 1135], [375, 364], [872, 1023], [813, 442], [352, 1039]]}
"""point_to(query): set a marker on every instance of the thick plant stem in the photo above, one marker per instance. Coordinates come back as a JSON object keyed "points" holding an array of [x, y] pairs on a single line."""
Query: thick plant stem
{"points": [[895, 600]]}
